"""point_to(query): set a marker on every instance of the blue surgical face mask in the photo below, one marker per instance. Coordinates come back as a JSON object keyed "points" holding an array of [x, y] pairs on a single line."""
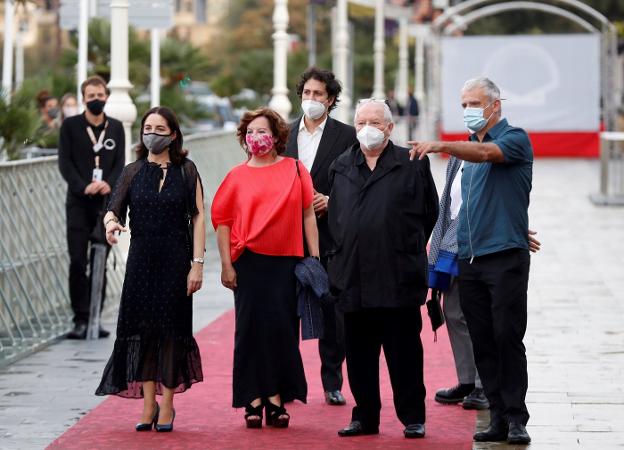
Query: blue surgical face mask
{"points": [[474, 120]]}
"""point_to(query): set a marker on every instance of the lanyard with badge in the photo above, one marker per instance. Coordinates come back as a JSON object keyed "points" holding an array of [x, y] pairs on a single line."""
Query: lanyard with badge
{"points": [[97, 146]]}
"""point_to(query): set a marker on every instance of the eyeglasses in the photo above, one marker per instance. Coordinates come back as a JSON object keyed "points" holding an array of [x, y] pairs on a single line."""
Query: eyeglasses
{"points": [[372, 100]]}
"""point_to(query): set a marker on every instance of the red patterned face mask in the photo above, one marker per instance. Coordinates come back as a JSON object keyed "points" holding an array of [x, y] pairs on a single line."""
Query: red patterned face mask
{"points": [[259, 145]]}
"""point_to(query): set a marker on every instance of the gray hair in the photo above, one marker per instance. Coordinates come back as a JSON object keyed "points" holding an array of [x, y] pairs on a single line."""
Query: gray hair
{"points": [[491, 90], [380, 101]]}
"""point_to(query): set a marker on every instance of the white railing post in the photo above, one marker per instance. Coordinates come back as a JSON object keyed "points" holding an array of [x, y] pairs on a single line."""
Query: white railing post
{"points": [[280, 102]]}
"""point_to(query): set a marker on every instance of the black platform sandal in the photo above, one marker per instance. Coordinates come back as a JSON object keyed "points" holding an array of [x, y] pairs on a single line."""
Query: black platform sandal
{"points": [[253, 416], [273, 415]]}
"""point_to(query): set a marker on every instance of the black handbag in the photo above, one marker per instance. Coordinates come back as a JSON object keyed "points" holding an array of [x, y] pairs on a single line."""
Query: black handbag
{"points": [[188, 217], [434, 311]]}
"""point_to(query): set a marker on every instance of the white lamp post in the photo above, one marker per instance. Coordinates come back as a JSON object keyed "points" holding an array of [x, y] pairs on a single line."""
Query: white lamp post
{"points": [[341, 58], [379, 47], [155, 68], [119, 104], [403, 72], [83, 38], [280, 102], [7, 56]]}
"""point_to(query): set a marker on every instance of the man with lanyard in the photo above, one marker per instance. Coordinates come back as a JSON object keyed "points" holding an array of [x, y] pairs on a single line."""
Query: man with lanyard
{"points": [[91, 157], [493, 252], [317, 140]]}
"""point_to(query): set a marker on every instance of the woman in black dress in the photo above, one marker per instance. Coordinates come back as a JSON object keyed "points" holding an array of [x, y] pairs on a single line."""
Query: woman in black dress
{"points": [[155, 352]]}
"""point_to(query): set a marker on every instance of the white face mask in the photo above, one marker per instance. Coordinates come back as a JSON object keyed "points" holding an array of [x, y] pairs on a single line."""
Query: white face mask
{"points": [[313, 109], [69, 111], [370, 137]]}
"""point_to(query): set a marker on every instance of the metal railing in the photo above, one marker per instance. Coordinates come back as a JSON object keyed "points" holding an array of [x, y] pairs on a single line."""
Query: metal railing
{"points": [[34, 299], [611, 170]]}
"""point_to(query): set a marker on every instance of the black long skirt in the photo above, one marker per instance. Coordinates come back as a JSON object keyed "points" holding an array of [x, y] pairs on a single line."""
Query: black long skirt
{"points": [[266, 340]]}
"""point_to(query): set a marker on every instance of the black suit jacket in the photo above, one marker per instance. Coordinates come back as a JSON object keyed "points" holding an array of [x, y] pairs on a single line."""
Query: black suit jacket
{"points": [[337, 137]]}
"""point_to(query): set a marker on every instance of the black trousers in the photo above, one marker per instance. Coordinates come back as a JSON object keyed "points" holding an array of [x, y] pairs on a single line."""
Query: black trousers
{"points": [[81, 219], [493, 296], [331, 346], [397, 330]]}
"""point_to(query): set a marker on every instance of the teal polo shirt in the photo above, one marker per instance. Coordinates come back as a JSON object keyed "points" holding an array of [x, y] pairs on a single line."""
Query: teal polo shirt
{"points": [[495, 196]]}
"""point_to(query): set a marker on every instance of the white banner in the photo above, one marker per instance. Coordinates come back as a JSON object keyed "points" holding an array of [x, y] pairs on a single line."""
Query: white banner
{"points": [[549, 82]]}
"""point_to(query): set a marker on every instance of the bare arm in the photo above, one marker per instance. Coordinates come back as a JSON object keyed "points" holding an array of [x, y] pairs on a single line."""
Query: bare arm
{"points": [[228, 274], [311, 231], [195, 276], [467, 151]]}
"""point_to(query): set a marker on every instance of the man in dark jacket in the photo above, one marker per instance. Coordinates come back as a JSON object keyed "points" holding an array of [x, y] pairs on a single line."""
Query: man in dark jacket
{"points": [[91, 157], [382, 210], [317, 140]]}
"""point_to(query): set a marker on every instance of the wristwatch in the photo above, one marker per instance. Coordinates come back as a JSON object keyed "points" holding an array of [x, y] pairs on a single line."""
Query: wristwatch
{"points": [[198, 260]]}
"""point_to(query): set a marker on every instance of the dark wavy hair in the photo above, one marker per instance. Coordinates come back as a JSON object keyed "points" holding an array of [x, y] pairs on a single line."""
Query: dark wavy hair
{"points": [[279, 128], [332, 85], [176, 152]]}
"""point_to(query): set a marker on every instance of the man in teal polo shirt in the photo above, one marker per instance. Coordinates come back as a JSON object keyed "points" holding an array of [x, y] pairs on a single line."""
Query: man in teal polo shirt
{"points": [[494, 252]]}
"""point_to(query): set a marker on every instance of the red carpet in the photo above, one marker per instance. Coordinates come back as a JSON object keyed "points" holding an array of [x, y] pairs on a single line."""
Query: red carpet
{"points": [[205, 419]]}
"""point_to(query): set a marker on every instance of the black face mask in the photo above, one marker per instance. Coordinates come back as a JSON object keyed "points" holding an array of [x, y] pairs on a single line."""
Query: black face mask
{"points": [[96, 106]]}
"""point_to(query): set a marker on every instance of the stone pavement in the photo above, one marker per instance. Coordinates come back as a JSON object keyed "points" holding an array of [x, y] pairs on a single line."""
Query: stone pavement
{"points": [[575, 336]]}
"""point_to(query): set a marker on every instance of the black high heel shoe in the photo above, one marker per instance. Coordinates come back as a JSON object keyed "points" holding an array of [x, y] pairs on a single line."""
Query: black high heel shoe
{"points": [[274, 413], [167, 427], [148, 426], [253, 416]]}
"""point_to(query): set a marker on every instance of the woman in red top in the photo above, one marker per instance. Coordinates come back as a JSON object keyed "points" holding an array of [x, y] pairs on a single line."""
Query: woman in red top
{"points": [[259, 212]]}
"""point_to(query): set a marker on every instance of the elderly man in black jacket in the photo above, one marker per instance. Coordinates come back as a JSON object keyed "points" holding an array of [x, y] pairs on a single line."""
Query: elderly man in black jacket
{"points": [[382, 210]]}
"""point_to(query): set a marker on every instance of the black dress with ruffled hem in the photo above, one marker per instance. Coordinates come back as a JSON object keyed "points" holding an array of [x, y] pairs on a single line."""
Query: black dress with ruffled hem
{"points": [[154, 330]]}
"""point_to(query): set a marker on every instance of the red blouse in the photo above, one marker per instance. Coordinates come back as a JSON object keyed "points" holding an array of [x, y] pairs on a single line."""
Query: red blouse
{"points": [[263, 206]]}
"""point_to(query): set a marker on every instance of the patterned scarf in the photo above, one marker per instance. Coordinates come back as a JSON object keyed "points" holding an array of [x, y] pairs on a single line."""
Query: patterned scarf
{"points": [[443, 249]]}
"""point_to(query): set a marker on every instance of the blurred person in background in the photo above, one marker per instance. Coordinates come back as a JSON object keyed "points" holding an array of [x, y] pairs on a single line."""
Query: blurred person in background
{"points": [[261, 212], [69, 106], [49, 111]]}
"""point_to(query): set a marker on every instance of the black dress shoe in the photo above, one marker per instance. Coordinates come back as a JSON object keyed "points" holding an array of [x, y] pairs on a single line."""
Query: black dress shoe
{"points": [[476, 400], [355, 428], [496, 432], [103, 333], [455, 394], [518, 434], [414, 430], [78, 332], [335, 398]]}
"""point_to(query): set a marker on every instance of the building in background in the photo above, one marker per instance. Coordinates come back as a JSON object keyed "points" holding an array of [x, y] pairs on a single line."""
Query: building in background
{"points": [[196, 21]]}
